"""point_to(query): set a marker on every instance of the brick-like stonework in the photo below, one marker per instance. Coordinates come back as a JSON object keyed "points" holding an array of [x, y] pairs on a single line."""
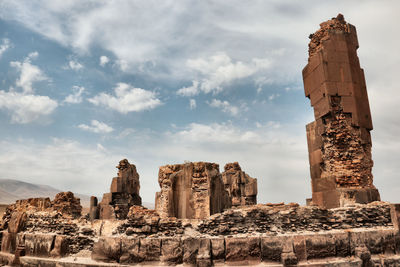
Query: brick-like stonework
{"points": [[339, 141]]}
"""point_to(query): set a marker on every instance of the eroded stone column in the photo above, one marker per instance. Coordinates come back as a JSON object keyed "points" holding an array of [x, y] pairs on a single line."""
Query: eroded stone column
{"points": [[339, 141]]}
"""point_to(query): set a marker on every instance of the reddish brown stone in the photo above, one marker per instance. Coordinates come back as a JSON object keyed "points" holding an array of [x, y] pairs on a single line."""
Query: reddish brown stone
{"points": [[124, 193], [241, 187], [191, 190], [339, 143], [67, 204]]}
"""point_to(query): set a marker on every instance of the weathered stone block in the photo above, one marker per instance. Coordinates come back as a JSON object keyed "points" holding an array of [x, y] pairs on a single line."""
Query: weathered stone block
{"points": [[8, 242], [299, 247], [150, 249], [218, 249], [60, 247], [107, 249], [271, 248], [342, 244], [171, 250], [129, 251], [190, 250], [243, 249], [320, 246], [17, 222], [39, 245], [204, 253]]}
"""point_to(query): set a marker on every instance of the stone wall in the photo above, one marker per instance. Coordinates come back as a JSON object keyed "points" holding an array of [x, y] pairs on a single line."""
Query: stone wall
{"points": [[269, 233], [339, 141], [190, 190], [242, 189]]}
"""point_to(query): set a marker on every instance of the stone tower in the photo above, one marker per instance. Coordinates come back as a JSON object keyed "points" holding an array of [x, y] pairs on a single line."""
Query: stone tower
{"points": [[339, 141]]}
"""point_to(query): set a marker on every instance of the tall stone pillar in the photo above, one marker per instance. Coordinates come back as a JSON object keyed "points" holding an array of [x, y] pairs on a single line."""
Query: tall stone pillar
{"points": [[339, 141]]}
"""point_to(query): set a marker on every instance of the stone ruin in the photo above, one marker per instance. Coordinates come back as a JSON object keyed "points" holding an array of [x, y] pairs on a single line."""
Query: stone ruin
{"points": [[190, 191], [339, 140], [198, 190], [205, 218], [242, 189], [124, 193]]}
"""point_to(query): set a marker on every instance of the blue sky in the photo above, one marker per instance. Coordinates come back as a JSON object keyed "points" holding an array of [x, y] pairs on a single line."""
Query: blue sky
{"points": [[84, 84]]}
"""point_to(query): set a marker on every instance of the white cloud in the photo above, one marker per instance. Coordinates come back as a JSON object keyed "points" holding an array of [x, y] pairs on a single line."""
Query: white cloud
{"points": [[75, 65], [104, 60], [225, 106], [26, 108], [273, 96], [100, 147], [189, 91], [122, 64], [220, 133], [28, 73], [192, 104], [4, 46], [96, 127], [127, 99], [76, 96], [219, 70]]}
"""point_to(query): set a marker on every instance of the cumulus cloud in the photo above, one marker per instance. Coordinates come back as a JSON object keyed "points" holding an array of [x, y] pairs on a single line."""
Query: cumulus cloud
{"points": [[4, 46], [76, 96], [25, 108], [127, 99], [75, 65], [225, 106], [192, 104], [104, 60], [190, 90], [28, 73], [219, 70], [96, 127]]}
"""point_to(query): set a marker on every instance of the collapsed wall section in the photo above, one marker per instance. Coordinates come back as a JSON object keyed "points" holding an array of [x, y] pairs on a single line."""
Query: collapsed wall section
{"points": [[339, 141]]}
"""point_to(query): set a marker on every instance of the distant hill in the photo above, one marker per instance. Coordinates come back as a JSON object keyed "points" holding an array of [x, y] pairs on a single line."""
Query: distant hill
{"points": [[12, 190]]}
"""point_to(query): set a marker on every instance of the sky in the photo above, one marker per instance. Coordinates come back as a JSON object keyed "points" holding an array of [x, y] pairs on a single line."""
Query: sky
{"points": [[84, 84]]}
